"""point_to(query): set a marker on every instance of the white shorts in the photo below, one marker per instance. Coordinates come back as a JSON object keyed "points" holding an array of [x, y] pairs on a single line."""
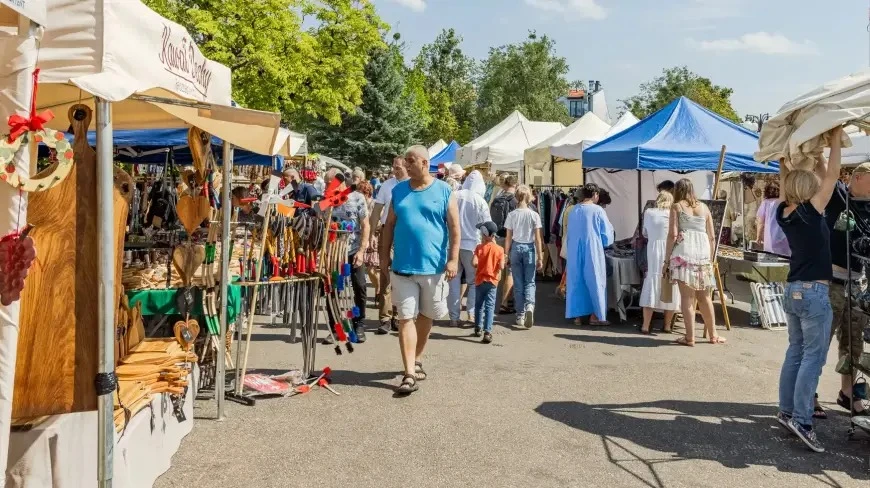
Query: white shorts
{"points": [[424, 295]]}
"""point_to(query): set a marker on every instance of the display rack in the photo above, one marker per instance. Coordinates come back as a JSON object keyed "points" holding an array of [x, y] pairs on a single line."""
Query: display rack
{"points": [[855, 422]]}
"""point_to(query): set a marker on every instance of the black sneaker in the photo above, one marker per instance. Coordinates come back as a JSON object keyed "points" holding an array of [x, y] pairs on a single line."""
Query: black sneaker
{"points": [[487, 338], [783, 419], [477, 332], [384, 329], [806, 435], [393, 326], [360, 330]]}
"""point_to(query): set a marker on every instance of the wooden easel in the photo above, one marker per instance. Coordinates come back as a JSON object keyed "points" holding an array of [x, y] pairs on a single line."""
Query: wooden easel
{"points": [[716, 273]]}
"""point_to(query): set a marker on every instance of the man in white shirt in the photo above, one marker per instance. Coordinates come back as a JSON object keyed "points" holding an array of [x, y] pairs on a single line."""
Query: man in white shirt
{"points": [[473, 211], [378, 218]]}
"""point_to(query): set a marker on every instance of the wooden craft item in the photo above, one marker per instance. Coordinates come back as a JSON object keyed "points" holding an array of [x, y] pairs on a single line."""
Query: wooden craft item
{"points": [[162, 344], [59, 324], [186, 332], [188, 213], [136, 329]]}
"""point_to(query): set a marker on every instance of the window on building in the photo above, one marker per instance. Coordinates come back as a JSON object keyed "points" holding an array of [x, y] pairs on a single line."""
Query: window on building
{"points": [[576, 108]]}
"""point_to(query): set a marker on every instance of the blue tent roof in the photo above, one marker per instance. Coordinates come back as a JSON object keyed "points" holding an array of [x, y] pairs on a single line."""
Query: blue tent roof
{"points": [[151, 139], [682, 136], [446, 155]]}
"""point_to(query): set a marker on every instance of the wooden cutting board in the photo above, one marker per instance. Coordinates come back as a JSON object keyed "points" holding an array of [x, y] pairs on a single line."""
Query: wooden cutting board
{"points": [[57, 344]]}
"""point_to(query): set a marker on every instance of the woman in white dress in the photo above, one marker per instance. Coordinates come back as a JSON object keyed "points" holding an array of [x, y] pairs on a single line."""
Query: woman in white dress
{"points": [[655, 229]]}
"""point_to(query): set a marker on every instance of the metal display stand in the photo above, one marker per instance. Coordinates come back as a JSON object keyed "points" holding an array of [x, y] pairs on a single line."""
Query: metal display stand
{"points": [[855, 422]]}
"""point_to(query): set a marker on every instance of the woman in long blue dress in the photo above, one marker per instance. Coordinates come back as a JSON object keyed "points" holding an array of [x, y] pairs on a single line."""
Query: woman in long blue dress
{"points": [[589, 232]]}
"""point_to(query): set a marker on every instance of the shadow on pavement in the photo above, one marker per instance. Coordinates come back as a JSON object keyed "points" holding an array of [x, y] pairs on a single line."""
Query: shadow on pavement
{"points": [[735, 435], [622, 340]]}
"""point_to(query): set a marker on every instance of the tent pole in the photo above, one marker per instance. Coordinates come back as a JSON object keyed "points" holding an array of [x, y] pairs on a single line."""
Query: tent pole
{"points": [[106, 248], [226, 216], [719, 174], [16, 87], [553, 170], [639, 196]]}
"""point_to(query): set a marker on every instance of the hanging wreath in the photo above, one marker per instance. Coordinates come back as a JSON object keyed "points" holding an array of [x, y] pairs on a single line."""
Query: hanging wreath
{"points": [[21, 129]]}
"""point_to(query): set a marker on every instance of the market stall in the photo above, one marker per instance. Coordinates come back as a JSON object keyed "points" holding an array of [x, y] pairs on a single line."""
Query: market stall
{"points": [[683, 138], [151, 85], [505, 152], [466, 154], [540, 161]]}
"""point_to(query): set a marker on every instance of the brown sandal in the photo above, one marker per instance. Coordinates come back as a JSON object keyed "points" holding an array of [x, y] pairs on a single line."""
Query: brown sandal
{"points": [[718, 340], [685, 342]]}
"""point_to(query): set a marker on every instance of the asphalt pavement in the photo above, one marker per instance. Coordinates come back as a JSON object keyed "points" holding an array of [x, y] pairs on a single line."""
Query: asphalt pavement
{"points": [[554, 406]]}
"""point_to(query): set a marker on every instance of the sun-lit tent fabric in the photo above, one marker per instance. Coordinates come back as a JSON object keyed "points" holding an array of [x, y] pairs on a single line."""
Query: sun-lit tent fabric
{"points": [[798, 131], [437, 147], [589, 126], [465, 155], [447, 155], [506, 152], [574, 152], [858, 153], [333, 163], [683, 136], [114, 49]]}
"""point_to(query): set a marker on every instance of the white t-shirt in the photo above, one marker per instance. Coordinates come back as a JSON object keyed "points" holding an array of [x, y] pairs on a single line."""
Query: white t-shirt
{"points": [[385, 196], [523, 222]]}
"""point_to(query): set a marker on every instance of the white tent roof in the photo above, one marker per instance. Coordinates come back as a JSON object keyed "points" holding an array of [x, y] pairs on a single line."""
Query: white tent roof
{"points": [[465, 155], [437, 147], [590, 126], [115, 49], [331, 162], [506, 151], [574, 152], [859, 153]]}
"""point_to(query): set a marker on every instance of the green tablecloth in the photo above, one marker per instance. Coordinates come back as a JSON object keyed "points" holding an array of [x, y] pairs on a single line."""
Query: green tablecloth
{"points": [[162, 302]]}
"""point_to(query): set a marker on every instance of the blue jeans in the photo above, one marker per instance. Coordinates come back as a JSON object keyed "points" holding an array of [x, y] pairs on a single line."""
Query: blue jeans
{"points": [[809, 315], [484, 306], [523, 271]]}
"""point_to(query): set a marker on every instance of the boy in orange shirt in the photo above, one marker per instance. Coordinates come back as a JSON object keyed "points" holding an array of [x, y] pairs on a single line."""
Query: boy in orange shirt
{"points": [[489, 261]]}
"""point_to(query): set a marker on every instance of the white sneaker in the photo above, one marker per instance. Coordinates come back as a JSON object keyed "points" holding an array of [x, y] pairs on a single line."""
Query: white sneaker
{"points": [[530, 318], [521, 321]]}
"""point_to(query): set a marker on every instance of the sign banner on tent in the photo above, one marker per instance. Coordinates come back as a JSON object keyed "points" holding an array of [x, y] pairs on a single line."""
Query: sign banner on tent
{"points": [[32, 9]]}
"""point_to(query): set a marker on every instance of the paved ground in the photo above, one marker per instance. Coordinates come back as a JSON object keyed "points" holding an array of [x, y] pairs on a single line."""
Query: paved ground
{"points": [[555, 406]]}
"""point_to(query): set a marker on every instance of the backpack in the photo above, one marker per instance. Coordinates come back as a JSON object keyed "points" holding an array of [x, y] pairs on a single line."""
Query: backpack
{"points": [[499, 210]]}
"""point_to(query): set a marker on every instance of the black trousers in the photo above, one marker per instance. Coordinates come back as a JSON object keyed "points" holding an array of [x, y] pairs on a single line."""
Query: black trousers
{"points": [[358, 282]]}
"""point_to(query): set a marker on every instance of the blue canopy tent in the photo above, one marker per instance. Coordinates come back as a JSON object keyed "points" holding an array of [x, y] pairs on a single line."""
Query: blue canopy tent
{"points": [[151, 146], [683, 136], [446, 155]]}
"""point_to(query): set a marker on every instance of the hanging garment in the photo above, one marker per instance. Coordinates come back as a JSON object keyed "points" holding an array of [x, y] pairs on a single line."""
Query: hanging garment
{"points": [[589, 232]]}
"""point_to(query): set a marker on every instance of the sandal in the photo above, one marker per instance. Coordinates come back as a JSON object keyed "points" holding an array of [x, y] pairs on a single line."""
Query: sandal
{"points": [[718, 340], [419, 371], [578, 321], [685, 342], [408, 386], [645, 332]]}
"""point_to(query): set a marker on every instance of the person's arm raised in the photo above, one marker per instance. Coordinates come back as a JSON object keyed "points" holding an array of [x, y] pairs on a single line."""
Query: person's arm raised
{"points": [[832, 173]]}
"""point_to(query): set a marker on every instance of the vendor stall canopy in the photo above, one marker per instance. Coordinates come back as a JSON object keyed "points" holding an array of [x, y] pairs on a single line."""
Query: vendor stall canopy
{"points": [[683, 136], [505, 153], [444, 156], [466, 154], [589, 126], [149, 68], [151, 146]]}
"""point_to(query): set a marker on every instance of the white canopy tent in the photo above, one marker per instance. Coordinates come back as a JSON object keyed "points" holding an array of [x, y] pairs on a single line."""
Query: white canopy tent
{"points": [[505, 153], [539, 159], [127, 54], [859, 153], [437, 147], [465, 155]]}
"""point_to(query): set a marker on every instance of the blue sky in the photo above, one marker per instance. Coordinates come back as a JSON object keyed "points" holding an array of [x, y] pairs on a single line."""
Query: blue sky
{"points": [[768, 51]]}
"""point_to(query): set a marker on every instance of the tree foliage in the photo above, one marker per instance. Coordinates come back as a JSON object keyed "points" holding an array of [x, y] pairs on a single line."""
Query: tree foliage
{"points": [[298, 57], [383, 126], [449, 84], [676, 82], [528, 77]]}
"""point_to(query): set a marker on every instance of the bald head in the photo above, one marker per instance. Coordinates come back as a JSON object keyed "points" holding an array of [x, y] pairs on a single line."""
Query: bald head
{"points": [[418, 152], [417, 163]]}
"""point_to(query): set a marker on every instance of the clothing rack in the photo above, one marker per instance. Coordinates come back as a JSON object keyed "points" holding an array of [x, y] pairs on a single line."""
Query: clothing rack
{"points": [[855, 421]]}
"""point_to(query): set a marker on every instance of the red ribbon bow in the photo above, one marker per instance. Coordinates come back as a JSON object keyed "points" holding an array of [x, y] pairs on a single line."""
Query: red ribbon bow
{"points": [[18, 125]]}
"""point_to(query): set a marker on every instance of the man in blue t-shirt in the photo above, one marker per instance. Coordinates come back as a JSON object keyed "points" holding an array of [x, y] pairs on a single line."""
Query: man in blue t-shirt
{"points": [[422, 229]]}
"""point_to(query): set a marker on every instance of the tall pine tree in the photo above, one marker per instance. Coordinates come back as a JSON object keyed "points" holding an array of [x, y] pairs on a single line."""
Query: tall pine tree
{"points": [[383, 126]]}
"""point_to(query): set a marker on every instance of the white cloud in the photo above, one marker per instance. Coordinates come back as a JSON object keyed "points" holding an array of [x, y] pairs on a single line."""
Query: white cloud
{"points": [[759, 42], [415, 5], [584, 9]]}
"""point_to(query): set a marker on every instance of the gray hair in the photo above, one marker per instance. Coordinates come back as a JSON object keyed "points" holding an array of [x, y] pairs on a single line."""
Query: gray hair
{"points": [[291, 171], [359, 173], [419, 151]]}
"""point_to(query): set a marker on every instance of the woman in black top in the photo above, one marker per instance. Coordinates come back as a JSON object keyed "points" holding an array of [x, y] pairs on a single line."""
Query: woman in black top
{"points": [[806, 301]]}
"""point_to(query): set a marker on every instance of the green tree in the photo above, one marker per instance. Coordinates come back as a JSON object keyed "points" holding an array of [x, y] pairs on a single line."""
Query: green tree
{"points": [[676, 82], [449, 76], [299, 57], [383, 126], [528, 77]]}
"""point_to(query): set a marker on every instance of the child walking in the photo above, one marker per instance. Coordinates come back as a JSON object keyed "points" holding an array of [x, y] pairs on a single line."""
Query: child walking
{"points": [[489, 262]]}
